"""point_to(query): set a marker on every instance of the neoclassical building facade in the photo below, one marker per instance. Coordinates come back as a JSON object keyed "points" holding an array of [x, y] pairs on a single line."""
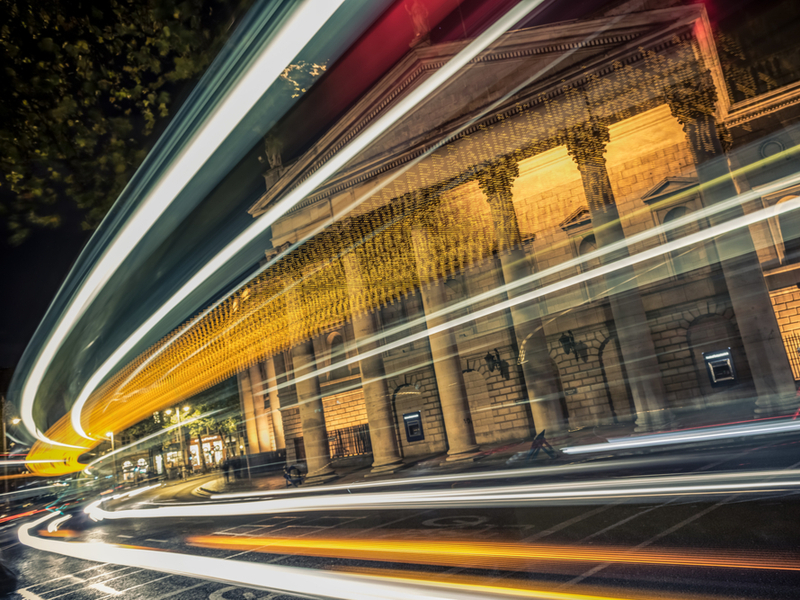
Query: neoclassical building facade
{"points": [[580, 229]]}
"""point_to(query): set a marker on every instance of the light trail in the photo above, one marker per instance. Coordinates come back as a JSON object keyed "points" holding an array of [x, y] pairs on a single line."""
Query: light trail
{"points": [[641, 488], [490, 555], [629, 262], [339, 160], [687, 437], [19, 462], [547, 471], [147, 438], [290, 580], [53, 526], [299, 29]]}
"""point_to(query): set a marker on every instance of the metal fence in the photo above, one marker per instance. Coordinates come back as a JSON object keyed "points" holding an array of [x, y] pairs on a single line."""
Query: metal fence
{"points": [[350, 441], [792, 343]]}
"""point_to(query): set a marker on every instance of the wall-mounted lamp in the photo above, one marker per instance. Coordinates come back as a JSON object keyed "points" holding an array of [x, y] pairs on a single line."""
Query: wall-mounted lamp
{"points": [[493, 361], [567, 341]]}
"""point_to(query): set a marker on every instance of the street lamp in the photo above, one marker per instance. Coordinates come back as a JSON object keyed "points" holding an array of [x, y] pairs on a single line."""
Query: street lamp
{"points": [[5, 439], [110, 434], [180, 437]]}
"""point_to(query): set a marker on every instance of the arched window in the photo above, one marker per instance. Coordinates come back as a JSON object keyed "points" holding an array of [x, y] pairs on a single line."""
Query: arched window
{"points": [[688, 258], [789, 223], [337, 354], [594, 287], [681, 261]]}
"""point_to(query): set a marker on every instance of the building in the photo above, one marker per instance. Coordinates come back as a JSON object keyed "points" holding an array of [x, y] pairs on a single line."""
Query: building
{"points": [[609, 142]]}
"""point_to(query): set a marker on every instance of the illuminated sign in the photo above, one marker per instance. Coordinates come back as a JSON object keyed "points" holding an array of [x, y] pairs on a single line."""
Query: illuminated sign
{"points": [[721, 369]]}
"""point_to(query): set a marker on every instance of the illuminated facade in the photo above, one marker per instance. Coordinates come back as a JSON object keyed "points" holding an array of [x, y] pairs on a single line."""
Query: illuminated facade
{"points": [[568, 200], [588, 156]]}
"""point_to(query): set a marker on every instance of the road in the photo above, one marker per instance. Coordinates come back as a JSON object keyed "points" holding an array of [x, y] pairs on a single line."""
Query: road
{"points": [[721, 543]]}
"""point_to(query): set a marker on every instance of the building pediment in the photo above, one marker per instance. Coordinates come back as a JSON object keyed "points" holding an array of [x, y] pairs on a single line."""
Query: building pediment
{"points": [[668, 187], [541, 63], [577, 222]]}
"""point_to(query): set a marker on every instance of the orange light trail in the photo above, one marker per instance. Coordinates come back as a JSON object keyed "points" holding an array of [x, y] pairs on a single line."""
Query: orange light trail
{"points": [[491, 555], [511, 588]]}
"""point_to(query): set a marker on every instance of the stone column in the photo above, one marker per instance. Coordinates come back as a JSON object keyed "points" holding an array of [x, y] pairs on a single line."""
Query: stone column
{"points": [[312, 416], [263, 425], [541, 381], [586, 143], [248, 412], [275, 404], [693, 104], [377, 397], [446, 361]]}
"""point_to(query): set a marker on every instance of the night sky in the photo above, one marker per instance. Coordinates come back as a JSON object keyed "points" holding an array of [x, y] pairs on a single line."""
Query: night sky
{"points": [[31, 275]]}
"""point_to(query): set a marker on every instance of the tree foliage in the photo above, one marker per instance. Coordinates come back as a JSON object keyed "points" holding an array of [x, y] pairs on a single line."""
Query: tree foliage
{"points": [[85, 85]]}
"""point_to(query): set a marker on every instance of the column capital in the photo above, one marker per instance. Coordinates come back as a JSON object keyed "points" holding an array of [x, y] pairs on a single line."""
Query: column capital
{"points": [[497, 179], [586, 142], [693, 99]]}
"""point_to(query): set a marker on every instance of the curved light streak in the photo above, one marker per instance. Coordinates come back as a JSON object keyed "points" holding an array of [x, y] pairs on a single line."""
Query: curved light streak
{"points": [[601, 490], [290, 580], [299, 29], [630, 261], [339, 160], [466, 553], [687, 437]]}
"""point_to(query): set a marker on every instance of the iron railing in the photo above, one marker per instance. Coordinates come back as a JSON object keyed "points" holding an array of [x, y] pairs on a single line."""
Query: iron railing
{"points": [[792, 343], [350, 441]]}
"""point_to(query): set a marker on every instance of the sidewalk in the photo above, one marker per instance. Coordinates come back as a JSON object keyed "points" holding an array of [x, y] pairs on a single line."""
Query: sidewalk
{"points": [[504, 456], [508, 455]]}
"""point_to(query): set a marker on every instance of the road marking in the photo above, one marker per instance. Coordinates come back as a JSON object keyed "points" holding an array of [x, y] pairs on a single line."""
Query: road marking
{"points": [[66, 576], [28, 595], [69, 585], [133, 587], [664, 533], [157, 541], [457, 522], [220, 594], [127, 537], [102, 587]]}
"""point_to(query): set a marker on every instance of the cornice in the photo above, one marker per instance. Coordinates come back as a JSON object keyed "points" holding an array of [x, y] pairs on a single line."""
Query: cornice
{"points": [[625, 45], [774, 101]]}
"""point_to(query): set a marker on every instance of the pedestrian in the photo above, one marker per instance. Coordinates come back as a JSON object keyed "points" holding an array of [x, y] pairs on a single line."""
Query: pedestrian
{"points": [[292, 475], [226, 469]]}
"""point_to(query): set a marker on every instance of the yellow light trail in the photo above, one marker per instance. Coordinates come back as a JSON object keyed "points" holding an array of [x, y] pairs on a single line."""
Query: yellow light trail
{"points": [[342, 585], [518, 589], [492, 555]]}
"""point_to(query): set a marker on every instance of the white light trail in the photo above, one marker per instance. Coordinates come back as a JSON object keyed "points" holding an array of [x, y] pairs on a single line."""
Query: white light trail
{"points": [[544, 471], [54, 525], [687, 437], [703, 235], [339, 160], [582, 491], [298, 30], [311, 583]]}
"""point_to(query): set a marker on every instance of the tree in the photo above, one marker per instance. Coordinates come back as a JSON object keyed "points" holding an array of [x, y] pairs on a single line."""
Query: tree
{"points": [[86, 83]]}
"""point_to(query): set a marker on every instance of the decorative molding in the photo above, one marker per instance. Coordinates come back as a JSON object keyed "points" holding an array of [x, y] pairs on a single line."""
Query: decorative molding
{"points": [[670, 187], [578, 222], [640, 34], [774, 101]]}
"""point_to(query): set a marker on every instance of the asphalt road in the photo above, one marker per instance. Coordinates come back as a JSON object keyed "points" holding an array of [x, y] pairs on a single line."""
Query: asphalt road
{"points": [[687, 537]]}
